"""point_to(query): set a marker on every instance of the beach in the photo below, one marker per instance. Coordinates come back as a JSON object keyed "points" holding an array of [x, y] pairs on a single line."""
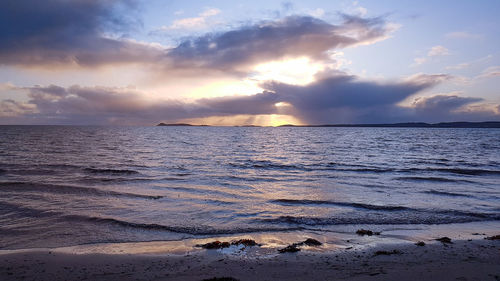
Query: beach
{"points": [[342, 256]]}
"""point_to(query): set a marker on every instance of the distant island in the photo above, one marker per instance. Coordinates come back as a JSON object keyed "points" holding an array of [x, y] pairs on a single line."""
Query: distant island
{"points": [[489, 124], [180, 125]]}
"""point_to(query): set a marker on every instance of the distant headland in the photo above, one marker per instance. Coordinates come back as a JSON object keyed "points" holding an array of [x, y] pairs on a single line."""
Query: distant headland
{"points": [[180, 125], [488, 124]]}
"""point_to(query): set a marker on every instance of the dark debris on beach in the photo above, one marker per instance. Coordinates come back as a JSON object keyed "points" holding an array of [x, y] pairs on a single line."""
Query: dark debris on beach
{"points": [[245, 242], [221, 279], [292, 248], [312, 242], [387, 253], [220, 245], [495, 237], [444, 240], [214, 245], [363, 232]]}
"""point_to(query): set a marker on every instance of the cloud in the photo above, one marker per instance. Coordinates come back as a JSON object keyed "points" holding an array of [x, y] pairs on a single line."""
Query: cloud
{"points": [[452, 108], [345, 99], [12, 108], [90, 34], [466, 65], [85, 105], [287, 7], [294, 36], [338, 98], [193, 23], [462, 35], [7, 86], [490, 72], [355, 8], [68, 33], [442, 103], [317, 13], [459, 66], [435, 51], [438, 51], [111, 105], [419, 61]]}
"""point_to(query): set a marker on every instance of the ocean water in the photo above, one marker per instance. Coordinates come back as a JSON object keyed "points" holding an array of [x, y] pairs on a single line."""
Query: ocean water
{"points": [[67, 185]]}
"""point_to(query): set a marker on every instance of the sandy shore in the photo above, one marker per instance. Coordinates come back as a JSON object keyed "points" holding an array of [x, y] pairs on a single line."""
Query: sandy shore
{"points": [[340, 257]]}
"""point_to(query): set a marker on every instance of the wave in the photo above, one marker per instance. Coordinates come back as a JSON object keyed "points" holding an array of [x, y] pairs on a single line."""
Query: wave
{"points": [[343, 167], [401, 209], [218, 202], [470, 172], [117, 179], [110, 171], [374, 169], [31, 165], [342, 204], [266, 164], [61, 166], [49, 169], [444, 193], [32, 172], [369, 170], [10, 208], [446, 217], [249, 178], [194, 230], [432, 179], [68, 189]]}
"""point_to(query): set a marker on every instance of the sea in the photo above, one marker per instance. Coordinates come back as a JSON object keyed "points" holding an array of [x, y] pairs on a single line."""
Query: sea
{"points": [[75, 185]]}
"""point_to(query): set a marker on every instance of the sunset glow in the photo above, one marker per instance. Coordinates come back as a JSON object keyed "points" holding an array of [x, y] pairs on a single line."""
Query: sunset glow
{"points": [[138, 63], [299, 71]]}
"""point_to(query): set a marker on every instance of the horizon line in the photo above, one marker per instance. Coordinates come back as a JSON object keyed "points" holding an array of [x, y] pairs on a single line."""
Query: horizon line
{"points": [[496, 124]]}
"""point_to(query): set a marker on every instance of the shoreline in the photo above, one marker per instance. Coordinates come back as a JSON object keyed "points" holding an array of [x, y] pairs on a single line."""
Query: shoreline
{"points": [[341, 256]]}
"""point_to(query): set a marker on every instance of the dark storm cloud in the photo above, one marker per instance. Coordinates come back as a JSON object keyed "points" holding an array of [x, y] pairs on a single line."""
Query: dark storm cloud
{"points": [[76, 33], [292, 36], [452, 108], [105, 105], [69, 33], [439, 103], [344, 99], [339, 99], [81, 105], [65, 32]]}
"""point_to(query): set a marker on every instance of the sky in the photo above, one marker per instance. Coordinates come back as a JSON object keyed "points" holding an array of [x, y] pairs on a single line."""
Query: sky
{"points": [[269, 63]]}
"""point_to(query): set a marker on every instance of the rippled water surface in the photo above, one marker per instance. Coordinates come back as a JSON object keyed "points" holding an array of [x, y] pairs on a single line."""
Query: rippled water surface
{"points": [[74, 185]]}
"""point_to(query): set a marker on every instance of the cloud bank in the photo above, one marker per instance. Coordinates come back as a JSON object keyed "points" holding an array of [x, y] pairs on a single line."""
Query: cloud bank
{"points": [[293, 36], [335, 99], [88, 33]]}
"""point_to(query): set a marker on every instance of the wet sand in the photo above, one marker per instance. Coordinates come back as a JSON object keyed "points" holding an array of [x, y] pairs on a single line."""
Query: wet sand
{"points": [[340, 257]]}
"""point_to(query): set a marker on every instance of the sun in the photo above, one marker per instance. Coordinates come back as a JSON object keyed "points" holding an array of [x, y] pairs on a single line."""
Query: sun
{"points": [[298, 71], [276, 120]]}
